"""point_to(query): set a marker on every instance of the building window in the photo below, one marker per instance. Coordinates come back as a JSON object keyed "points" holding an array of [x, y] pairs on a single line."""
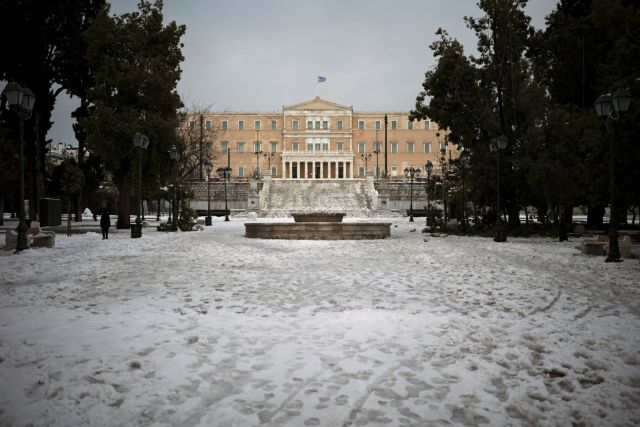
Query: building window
{"points": [[426, 124], [361, 171], [339, 146], [274, 147], [443, 146], [274, 170], [377, 124], [427, 147], [295, 146], [309, 146], [410, 147], [394, 147], [274, 125], [339, 124], [192, 125], [256, 124], [325, 125], [257, 146], [410, 124], [225, 125], [309, 124], [240, 170], [394, 171], [378, 145], [325, 146], [378, 173], [295, 124], [360, 124], [208, 124], [224, 146], [240, 124], [394, 124], [317, 124], [362, 146], [240, 147]]}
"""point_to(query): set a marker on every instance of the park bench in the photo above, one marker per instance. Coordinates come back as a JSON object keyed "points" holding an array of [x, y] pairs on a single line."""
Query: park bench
{"points": [[213, 212], [36, 238], [417, 212], [600, 245]]}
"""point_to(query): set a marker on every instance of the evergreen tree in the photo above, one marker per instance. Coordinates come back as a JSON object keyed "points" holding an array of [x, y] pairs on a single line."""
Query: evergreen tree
{"points": [[136, 66]]}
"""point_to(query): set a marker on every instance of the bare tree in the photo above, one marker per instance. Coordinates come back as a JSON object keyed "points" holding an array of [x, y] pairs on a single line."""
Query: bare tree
{"points": [[200, 141]]}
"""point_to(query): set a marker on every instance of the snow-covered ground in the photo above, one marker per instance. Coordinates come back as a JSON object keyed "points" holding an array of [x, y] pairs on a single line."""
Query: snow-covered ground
{"points": [[212, 329]]}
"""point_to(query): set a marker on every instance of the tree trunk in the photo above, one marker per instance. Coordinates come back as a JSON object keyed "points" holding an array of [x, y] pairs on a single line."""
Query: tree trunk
{"points": [[78, 206], [562, 225], [124, 204], [595, 217]]}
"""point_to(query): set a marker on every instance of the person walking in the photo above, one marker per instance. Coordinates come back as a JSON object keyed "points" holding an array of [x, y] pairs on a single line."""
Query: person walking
{"points": [[105, 223]]}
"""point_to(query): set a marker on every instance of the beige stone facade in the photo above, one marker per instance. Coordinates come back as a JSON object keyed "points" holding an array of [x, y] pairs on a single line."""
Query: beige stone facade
{"points": [[319, 139]]}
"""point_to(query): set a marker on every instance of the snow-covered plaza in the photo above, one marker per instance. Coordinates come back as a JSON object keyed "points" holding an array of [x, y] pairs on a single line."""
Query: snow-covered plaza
{"points": [[210, 328]]}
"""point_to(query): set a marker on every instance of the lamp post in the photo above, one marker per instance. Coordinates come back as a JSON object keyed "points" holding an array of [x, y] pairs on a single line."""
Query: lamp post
{"points": [[208, 166], [497, 146], [377, 152], [257, 152], [464, 156], [175, 156], [610, 106], [21, 100], [141, 142], [428, 167], [225, 173], [366, 158], [268, 157], [411, 173]]}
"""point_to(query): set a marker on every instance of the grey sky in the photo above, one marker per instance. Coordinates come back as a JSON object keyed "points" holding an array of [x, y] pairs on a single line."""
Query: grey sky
{"points": [[252, 55]]}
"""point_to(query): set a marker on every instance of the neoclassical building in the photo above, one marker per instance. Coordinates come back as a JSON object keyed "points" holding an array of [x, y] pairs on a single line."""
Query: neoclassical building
{"points": [[318, 139]]}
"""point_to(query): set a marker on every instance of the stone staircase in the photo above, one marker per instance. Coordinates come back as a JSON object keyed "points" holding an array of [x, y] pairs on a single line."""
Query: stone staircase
{"points": [[287, 196]]}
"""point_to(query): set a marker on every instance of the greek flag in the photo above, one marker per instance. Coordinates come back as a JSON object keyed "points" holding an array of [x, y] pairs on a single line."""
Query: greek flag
{"points": [[321, 79]]}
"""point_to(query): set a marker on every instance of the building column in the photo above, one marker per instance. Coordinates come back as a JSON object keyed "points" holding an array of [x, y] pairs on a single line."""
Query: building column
{"points": [[351, 170], [321, 169]]}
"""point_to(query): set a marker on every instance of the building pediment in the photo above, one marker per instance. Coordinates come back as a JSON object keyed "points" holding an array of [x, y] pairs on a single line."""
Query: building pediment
{"points": [[317, 104]]}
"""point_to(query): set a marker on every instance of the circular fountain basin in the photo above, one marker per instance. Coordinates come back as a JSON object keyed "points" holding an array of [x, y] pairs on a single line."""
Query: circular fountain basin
{"points": [[318, 230], [318, 217]]}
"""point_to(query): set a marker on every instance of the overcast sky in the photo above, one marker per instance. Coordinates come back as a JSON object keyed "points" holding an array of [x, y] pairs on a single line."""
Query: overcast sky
{"points": [[252, 55]]}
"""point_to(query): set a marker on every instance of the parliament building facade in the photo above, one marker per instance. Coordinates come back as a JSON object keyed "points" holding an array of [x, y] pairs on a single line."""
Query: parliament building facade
{"points": [[319, 139]]}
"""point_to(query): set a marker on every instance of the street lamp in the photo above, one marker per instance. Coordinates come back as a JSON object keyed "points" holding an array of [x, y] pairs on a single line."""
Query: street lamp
{"points": [[257, 153], [175, 156], [411, 173], [428, 167], [366, 158], [377, 152], [141, 142], [610, 106], [225, 173], [268, 157], [21, 100], [497, 146], [208, 166], [464, 156]]}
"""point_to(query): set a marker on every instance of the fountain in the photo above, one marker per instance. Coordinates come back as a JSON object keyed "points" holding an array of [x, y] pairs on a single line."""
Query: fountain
{"points": [[318, 226]]}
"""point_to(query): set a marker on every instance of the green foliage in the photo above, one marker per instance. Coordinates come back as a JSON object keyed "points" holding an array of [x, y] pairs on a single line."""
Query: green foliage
{"points": [[538, 89], [187, 218], [135, 61], [72, 178], [166, 226]]}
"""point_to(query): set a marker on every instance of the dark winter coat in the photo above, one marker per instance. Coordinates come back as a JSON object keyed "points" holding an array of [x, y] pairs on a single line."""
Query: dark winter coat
{"points": [[105, 221]]}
